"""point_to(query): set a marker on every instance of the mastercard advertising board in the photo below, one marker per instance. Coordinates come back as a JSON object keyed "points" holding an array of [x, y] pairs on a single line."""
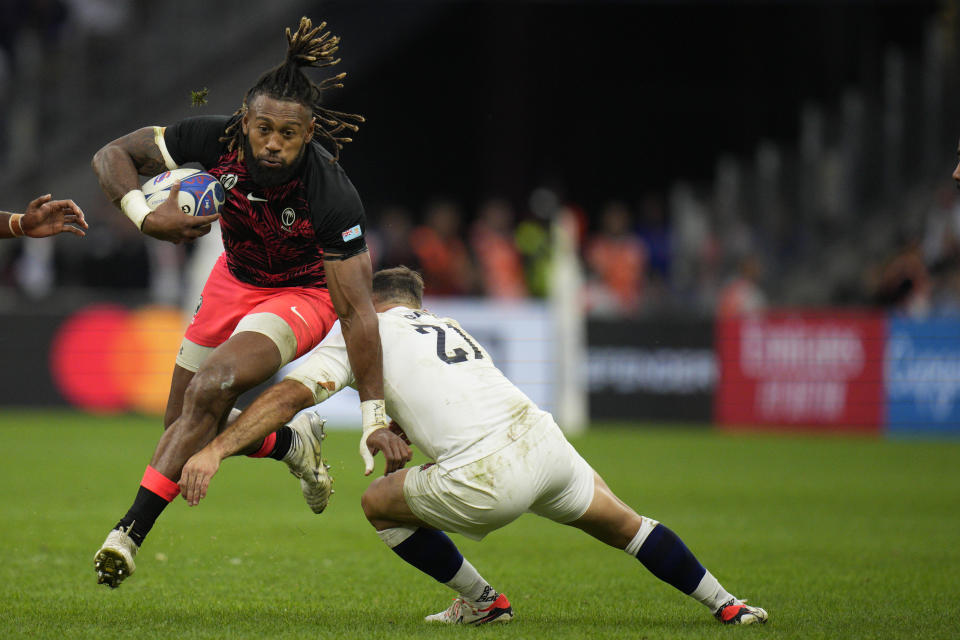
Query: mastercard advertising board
{"points": [[106, 358]]}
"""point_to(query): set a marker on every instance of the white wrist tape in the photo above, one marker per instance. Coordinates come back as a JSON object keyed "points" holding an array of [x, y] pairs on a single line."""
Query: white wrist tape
{"points": [[134, 206], [16, 230], [374, 416]]}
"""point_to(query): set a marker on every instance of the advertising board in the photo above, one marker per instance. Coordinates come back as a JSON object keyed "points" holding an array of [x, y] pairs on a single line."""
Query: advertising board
{"points": [[651, 370], [805, 369], [923, 375]]}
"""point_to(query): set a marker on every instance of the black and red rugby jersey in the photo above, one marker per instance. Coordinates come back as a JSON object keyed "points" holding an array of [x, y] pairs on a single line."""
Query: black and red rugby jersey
{"points": [[275, 237]]}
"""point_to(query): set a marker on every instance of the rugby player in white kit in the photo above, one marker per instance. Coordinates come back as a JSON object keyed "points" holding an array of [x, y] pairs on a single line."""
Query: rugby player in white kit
{"points": [[496, 456]]}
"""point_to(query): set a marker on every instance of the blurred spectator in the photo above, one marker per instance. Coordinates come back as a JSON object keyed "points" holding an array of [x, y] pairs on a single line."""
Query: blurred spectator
{"points": [[533, 242], [945, 297], [941, 251], [654, 230], [696, 249], [941, 241], [46, 18], [389, 240], [617, 261], [904, 284], [499, 263], [440, 252], [743, 295], [100, 17]]}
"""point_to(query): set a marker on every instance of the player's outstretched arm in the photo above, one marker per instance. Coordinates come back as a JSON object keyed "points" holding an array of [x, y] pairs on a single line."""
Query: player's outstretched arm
{"points": [[44, 217], [117, 166], [270, 411], [47, 217]]}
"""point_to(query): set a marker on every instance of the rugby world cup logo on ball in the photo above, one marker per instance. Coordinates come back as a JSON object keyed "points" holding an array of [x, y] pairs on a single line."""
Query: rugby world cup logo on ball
{"points": [[200, 193]]}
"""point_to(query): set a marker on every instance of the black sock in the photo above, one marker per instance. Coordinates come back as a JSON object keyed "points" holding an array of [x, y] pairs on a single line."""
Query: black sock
{"points": [[433, 552], [146, 508], [282, 445], [665, 556]]}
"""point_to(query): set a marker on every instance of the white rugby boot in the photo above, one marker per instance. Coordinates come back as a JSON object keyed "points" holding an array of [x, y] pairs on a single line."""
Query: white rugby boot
{"points": [[462, 612], [114, 561], [738, 612], [305, 462]]}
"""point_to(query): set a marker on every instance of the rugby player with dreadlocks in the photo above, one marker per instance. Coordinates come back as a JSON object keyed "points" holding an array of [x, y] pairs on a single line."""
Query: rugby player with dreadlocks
{"points": [[294, 259]]}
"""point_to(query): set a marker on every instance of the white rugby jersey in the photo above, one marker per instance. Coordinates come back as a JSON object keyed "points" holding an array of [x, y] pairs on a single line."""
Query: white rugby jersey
{"points": [[440, 386]]}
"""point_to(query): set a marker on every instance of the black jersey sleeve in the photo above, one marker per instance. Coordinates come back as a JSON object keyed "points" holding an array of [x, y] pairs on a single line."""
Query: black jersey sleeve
{"points": [[197, 139], [339, 221]]}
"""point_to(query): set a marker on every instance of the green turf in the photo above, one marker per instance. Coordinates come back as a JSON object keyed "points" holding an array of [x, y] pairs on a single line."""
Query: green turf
{"points": [[835, 537]]}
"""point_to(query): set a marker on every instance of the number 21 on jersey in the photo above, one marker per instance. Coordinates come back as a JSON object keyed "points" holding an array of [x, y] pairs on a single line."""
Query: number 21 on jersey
{"points": [[458, 355]]}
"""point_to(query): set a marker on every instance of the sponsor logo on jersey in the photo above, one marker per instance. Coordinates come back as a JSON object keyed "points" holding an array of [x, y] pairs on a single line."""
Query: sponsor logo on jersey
{"points": [[287, 217], [352, 233], [228, 180], [253, 198]]}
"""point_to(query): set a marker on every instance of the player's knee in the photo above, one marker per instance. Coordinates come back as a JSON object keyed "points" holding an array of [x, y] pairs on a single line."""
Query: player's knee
{"points": [[368, 504], [212, 385], [372, 502]]}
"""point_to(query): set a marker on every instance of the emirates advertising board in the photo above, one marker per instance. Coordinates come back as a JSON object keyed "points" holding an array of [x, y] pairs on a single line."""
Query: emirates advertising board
{"points": [[816, 370]]}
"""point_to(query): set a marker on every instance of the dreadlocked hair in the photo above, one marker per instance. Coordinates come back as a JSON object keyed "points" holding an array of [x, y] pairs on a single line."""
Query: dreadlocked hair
{"points": [[309, 46]]}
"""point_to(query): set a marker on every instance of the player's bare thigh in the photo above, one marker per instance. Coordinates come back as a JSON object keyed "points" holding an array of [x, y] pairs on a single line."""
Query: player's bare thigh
{"points": [[239, 364], [384, 504], [608, 518], [210, 375]]}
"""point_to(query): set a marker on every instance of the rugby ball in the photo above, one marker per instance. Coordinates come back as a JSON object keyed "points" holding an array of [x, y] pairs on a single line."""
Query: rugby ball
{"points": [[200, 193]]}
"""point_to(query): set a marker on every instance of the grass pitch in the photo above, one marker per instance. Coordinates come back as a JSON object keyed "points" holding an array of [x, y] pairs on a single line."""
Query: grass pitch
{"points": [[836, 537]]}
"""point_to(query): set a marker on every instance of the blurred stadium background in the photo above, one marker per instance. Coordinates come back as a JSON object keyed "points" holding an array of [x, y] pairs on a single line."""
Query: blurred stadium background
{"points": [[729, 213]]}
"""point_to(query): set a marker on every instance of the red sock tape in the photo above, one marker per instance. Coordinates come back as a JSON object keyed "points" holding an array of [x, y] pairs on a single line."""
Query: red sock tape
{"points": [[268, 443], [160, 484]]}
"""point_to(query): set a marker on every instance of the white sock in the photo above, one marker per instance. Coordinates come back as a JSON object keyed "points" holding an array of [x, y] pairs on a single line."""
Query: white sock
{"points": [[646, 526], [710, 593], [296, 442], [395, 535], [471, 586]]}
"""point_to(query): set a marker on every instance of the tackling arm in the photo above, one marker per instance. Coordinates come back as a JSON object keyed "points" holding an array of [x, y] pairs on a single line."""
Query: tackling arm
{"points": [[270, 411]]}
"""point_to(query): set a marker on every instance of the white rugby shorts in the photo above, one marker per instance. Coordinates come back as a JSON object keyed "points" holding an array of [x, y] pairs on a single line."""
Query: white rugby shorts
{"points": [[540, 472]]}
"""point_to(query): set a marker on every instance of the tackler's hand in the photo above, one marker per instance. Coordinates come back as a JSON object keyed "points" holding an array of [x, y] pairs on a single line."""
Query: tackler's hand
{"points": [[196, 475], [397, 429], [396, 452], [373, 417]]}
